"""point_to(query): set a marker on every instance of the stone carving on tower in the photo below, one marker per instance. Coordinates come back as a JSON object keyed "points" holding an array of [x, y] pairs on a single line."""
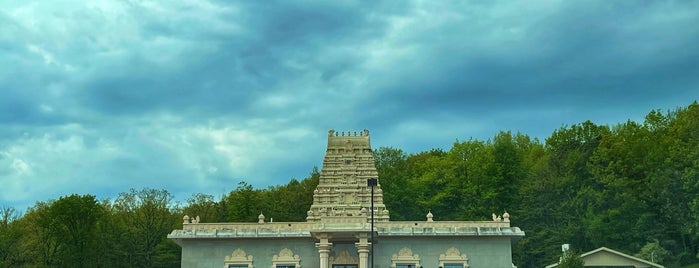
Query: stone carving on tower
{"points": [[342, 189]]}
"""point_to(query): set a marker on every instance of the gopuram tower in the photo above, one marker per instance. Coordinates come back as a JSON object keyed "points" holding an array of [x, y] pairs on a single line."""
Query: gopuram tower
{"points": [[342, 189]]}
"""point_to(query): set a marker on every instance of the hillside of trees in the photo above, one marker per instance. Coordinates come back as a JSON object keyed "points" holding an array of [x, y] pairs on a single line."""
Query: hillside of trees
{"points": [[633, 187]]}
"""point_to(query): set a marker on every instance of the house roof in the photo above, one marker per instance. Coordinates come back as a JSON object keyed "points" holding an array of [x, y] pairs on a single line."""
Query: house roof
{"points": [[604, 249]]}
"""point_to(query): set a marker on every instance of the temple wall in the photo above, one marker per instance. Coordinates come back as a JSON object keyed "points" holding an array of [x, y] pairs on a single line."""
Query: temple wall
{"points": [[487, 252], [491, 252], [211, 253]]}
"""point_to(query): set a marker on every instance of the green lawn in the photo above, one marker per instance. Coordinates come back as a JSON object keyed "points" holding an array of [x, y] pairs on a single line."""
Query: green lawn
{"points": [[696, 265]]}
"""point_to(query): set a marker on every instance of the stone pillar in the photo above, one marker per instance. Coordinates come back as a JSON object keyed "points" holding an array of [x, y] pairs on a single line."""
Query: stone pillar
{"points": [[363, 250], [324, 247]]}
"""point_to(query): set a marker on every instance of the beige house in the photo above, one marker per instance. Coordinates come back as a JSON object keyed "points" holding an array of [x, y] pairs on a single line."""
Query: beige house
{"points": [[607, 258]]}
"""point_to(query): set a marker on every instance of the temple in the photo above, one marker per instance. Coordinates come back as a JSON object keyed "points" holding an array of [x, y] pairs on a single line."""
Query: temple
{"points": [[348, 226]]}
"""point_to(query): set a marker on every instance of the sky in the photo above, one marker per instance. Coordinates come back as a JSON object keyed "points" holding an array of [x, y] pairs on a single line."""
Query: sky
{"points": [[98, 97]]}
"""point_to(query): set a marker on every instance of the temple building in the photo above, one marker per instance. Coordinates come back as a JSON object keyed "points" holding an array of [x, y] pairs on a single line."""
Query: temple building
{"points": [[347, 214]]}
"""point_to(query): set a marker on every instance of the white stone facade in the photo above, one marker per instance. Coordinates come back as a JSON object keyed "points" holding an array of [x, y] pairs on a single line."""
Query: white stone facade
{"points": [[338, 233]]}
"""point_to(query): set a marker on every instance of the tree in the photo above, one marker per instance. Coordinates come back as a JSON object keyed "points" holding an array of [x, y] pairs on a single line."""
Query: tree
{"points": [[684, 168], [630, 163], [204, 206], [115, 239], [653, 252], [292, 201], [571, 259], [148, 217], [10, 235], [395, 177], [468, 165], [75, 220], [62, 233], [244, 203], [427, 188], [40, 243], [506, 171]]}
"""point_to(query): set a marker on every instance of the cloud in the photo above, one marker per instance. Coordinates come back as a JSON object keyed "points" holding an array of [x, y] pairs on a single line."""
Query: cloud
{"points": [[194, 96]]}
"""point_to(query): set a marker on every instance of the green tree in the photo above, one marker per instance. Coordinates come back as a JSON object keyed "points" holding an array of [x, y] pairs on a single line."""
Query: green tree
{"points": [[427, 187], [469, 163], [204, 206], [628, 163], [76, 219], [115, 239], [62, 233], [683, 167], [10, 235], [395, 180], [40, 243], [245, 203], [506, 171], [653, 252], [290, 202], [148, 216], [571, 259], [556, 191]]}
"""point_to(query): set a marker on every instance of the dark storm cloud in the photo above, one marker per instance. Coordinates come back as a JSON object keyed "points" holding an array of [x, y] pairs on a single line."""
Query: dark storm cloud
{"points": [[585, 53], [196, 96], [239, 67], [15, 107], [174, 93]]}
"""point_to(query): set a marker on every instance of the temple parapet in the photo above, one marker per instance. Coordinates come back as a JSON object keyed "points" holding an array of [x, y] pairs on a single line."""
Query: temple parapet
{"points": [[363, 133], [305, 229]]}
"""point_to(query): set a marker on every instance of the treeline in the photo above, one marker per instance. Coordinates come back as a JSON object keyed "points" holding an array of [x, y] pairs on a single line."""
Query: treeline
{"points": [[633, 187], [131, 230], [81, 231]]}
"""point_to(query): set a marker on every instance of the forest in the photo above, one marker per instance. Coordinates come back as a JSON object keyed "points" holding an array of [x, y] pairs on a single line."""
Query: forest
{"points": [[632, 187]]}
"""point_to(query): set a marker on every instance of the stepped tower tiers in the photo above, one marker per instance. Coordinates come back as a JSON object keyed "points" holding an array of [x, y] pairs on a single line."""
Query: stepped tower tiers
{"points": [[342, 189]]}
